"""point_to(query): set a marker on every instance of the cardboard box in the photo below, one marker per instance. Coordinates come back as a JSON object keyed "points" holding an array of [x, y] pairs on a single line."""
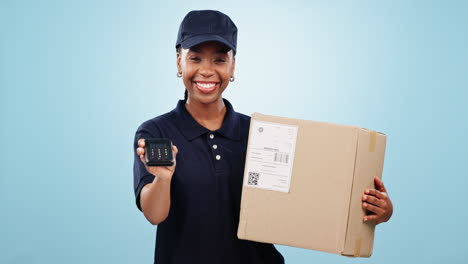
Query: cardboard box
{"points": [[303, 183]]}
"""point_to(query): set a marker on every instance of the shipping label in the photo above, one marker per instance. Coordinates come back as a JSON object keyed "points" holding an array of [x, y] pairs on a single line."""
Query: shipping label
{"points": [[270, 155]]}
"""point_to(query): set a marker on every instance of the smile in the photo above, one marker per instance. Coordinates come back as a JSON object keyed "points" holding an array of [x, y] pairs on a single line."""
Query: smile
{"points": [[206, 87]]}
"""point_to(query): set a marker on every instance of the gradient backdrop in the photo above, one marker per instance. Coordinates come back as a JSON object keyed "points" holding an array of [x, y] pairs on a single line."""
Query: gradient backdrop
{"points": [[78, 77]]}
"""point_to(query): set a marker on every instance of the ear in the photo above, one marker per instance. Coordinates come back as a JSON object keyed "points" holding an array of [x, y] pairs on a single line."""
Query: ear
{"points": [[233, 65], [179, 67]]}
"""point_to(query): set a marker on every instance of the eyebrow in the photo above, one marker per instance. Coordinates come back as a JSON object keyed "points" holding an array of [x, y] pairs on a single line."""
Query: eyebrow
{"points": [[223, 50]]}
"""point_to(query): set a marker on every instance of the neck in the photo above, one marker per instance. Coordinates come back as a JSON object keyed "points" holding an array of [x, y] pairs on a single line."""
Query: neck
{"points": [[210, 116]]}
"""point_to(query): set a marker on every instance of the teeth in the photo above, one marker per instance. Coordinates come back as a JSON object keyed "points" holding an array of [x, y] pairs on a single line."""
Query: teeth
{"points": [[206, 85]]}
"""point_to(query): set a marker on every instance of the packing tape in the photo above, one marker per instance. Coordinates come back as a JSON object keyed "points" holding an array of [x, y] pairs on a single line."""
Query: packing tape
{"points": [[357, 247], [372, 141]]}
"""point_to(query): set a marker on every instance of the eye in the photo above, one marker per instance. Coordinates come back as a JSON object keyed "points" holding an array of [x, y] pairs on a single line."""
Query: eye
{"points": [[196, 59], [220, 60]]}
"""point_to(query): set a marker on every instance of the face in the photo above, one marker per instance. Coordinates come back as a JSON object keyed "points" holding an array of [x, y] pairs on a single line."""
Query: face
{"points": [[206, 69]]}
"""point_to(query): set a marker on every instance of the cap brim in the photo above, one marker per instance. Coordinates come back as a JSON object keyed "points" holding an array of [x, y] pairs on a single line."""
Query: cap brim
{"points": [[193, 41]]}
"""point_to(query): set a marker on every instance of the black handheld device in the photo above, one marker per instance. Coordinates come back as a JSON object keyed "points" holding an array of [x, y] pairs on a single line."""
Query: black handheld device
{"points": [[158, 152]]}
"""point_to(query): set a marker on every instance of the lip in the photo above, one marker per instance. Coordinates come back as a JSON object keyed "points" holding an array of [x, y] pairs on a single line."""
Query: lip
{"points": [[205, 86]]}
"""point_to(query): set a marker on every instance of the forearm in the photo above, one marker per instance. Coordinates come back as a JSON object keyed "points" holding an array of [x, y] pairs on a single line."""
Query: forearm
{"points": [[155, 199]]}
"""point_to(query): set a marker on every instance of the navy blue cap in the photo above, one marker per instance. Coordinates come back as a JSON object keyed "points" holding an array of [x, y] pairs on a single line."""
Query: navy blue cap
{"points": [[201, 26]]}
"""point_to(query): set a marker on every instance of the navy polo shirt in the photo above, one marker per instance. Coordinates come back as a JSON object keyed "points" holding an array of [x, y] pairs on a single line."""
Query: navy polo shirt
{"points": [[205, 191]]}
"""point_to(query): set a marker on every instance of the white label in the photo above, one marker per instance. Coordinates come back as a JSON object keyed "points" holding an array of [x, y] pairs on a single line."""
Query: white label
{"points": [[270, 156]]}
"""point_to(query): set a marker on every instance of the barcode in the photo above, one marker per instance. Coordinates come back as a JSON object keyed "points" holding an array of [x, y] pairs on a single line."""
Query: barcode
{"points": [[281, 157], [253, 178]]}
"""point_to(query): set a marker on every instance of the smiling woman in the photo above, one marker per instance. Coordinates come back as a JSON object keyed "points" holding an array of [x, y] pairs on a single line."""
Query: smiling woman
{"points": [[196, 202], [206, 70]]}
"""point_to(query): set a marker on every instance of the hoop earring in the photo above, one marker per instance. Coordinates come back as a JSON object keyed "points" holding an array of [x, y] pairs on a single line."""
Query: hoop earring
{"points": [[179, 75], [231, 79]]}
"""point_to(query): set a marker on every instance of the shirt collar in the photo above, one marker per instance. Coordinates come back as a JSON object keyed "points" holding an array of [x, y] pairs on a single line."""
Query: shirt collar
{"points": [[192, 129]]}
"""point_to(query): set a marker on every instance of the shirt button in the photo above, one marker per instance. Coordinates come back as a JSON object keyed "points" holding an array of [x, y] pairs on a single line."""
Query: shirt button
{"points": [[211, 136], [215, 146], [218, 157]]}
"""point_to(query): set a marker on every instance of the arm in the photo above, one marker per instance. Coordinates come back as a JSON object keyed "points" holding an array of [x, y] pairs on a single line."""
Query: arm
{"points": [[155, 197]]}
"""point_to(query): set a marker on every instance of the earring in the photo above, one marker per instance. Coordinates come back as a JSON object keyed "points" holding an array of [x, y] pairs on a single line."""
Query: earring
{"points": [[231, 79], [179, 74]]}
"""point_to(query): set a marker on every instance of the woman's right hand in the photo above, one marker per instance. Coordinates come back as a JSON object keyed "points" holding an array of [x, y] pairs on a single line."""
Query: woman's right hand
{"points": [[164, 173]]}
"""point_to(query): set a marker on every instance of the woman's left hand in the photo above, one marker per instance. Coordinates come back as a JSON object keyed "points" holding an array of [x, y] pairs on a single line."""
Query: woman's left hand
{"points": [[377, 203]]}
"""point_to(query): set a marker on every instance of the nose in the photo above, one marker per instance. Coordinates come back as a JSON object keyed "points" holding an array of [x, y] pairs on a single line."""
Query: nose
{"points": [[206, 70]]}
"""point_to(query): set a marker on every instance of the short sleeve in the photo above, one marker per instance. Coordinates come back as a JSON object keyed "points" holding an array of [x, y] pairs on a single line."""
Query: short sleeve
{"points": [[141, 176]]}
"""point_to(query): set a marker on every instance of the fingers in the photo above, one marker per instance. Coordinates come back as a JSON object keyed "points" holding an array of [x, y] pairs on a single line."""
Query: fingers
{"points": [[375, 209], [141, 152], [377, 202], [373, 200], [175, 150], [141, 142], [141, 149], [378, 194], [379, 184], [370, 217]]}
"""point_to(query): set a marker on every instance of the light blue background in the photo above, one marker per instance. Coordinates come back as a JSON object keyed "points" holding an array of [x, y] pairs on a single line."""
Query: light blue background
{"points": [[78, 77]]}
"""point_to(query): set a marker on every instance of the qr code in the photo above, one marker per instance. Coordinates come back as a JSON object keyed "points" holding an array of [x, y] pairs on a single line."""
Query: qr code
{"points": [[253, 178]]}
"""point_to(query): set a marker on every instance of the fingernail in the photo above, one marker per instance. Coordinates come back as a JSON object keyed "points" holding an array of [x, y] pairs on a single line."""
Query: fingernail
{"points": [[365, 218], [364, 197], [367, 191]]}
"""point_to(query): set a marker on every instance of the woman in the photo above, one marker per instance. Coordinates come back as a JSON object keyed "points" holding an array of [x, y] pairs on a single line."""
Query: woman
{"points": [[196, 206]]}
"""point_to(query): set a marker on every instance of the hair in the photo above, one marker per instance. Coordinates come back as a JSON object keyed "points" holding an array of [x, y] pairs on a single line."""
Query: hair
{"points": [[178, 50]]}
